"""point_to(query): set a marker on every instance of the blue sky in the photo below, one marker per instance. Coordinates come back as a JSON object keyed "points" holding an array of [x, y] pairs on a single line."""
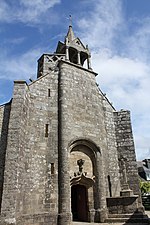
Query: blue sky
{"points": [[118, 35]]}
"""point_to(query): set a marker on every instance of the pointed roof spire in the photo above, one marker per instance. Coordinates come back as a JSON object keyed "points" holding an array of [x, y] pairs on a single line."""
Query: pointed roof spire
{"points": [[70, 19], [70, 35]]}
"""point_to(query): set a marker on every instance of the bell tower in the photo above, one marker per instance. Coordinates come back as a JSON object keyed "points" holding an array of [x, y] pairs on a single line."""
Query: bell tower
{"points": [[74, 50]]}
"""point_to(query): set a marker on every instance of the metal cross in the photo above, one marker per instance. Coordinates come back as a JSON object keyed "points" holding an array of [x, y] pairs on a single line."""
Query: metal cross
{"points": [[70, 18]]}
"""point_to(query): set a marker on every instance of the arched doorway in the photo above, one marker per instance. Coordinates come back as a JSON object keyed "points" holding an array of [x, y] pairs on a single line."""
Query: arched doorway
{"points": [[79, 203], [91, 177]]}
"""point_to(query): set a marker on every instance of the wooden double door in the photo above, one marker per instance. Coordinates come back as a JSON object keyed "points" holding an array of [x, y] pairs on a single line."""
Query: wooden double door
{"points": [[79, 203]]}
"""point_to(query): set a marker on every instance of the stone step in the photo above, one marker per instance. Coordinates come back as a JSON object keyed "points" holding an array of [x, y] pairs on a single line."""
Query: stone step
{"points": [[137, 215], [84, 223], [128, 220], [115, 223]]}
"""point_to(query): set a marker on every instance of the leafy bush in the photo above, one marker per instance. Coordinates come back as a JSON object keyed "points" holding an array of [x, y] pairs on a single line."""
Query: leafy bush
{"points": [[145, 187]]}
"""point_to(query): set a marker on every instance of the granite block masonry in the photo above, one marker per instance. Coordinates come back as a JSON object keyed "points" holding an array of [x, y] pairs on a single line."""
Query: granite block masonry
{"points": [[66, 154]]}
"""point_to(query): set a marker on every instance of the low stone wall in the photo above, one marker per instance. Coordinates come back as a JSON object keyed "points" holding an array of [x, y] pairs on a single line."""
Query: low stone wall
{"points": [[122, 205]]}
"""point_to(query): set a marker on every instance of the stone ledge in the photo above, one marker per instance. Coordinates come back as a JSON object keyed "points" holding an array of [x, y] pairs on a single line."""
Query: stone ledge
{"points": [[78, 66]]}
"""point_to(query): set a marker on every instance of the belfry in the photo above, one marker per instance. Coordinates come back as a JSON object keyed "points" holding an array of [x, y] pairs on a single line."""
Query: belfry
{"points": [[66, 154]]}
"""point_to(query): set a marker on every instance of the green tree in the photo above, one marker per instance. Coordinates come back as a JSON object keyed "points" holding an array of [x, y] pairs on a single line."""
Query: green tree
{"points": [[145, 187]]}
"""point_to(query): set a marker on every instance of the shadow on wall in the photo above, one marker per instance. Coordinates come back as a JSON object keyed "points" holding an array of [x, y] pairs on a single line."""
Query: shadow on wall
{"points": [[3, 145], [139, 218], [124, 210]]}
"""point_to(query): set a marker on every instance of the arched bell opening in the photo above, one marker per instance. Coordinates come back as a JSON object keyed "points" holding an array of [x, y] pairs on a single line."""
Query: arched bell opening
{"points": [[84, 59], [73, 55]]}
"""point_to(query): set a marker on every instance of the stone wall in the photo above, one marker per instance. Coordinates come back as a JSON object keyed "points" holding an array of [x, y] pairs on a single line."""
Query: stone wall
{"points": [[111, 159], [4, 122], [89, 115], [82, 116], [54, 121], [14, 156], [31, 158], [41, 190], [126, 150], [1, 116]]}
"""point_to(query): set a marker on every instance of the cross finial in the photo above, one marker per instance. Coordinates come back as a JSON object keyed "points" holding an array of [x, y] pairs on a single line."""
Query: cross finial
{"points": [[80, 163], [70, 19]]}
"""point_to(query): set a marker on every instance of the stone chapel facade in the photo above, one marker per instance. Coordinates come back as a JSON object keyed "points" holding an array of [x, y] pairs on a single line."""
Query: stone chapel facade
{"points": [[65, 153]]}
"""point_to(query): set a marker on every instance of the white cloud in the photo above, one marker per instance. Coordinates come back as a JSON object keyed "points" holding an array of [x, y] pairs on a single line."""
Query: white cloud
{"points": [[4, 8], [142, 145], [99, 26], [26, 11], [19, 67], [138, 41], [116, 67], [14, 41], [125, 80]]}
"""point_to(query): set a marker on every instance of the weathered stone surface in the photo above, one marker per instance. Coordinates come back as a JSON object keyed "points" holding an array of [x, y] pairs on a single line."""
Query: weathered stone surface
{"points": [[66, 153], [4, 122]]}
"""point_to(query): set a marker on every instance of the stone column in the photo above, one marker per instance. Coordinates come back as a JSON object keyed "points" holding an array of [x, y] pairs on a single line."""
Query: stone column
{"points": [[64, 198], [89, 62], [67, 53], [79, 60], [101, 212]]}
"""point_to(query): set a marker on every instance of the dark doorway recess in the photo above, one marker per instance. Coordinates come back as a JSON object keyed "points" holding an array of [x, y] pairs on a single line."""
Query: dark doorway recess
{"points": [[79, 203]]}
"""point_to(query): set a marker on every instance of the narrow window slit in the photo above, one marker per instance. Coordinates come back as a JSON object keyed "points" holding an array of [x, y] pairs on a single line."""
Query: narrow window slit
{"points": [[52, 168], [49, 93], [46, 130]]}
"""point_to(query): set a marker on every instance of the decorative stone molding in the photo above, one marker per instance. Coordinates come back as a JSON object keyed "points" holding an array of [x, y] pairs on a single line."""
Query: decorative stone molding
{"points": [[82, 180]]}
